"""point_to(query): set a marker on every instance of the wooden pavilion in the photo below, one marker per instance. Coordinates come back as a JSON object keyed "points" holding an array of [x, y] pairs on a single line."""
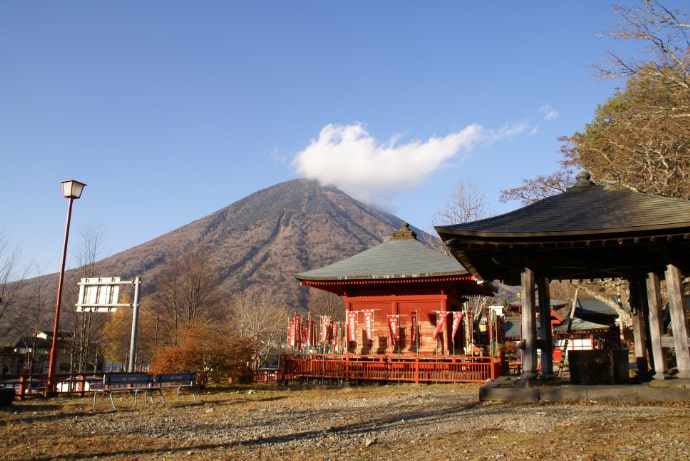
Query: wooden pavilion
{"points": [[401, 298], [588, 232]]}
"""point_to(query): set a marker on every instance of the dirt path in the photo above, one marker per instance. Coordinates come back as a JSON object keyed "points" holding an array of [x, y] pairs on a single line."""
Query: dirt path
{"points": [[352, 423]]}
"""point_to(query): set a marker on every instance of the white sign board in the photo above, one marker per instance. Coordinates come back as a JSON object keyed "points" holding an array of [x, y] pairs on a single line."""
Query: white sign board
{"points": [[99, 294]]}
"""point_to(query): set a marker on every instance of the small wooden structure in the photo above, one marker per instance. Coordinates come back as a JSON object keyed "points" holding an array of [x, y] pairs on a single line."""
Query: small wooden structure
{"points": [[404, 306], [593, 325], [588, 232]]}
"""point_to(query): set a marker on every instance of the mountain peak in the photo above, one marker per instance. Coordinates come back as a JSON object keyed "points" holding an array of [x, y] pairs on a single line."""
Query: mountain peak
{"points": [[265, 238]]}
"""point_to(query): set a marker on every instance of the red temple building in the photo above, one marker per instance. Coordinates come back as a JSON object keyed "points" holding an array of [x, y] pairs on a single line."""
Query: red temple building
{"points": [[405, 304]]}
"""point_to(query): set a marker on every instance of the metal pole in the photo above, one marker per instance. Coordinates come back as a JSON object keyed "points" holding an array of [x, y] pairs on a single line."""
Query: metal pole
{"points": [[135, 320], [52, 361]]}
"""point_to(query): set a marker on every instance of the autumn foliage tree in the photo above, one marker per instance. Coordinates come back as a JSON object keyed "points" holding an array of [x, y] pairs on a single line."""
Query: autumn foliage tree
{"points": [[116, 334], [207, 349], [640, 137]]}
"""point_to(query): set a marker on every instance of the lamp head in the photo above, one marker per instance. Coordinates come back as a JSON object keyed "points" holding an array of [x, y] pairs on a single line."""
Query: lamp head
{"points": [[72, 188]]}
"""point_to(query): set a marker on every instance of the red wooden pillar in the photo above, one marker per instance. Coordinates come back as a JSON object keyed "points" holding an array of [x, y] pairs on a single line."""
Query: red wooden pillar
{"points": [[22, 387], [80, 385], [347, 367], [416, 369]]}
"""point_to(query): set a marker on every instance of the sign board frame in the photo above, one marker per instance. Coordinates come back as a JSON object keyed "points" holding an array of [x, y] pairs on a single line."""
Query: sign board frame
{"points": [[101, 294]]}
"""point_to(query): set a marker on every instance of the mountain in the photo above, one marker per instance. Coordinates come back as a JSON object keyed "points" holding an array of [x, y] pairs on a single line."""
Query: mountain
{"points": [[264, 239]]}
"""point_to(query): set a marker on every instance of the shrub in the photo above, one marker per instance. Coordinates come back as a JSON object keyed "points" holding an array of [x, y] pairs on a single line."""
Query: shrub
{"points": [[208, 351]]}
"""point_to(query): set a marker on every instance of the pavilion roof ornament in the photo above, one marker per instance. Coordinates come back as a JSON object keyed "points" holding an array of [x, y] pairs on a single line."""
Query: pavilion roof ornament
{"points": [[583, 182], [404, 233]]}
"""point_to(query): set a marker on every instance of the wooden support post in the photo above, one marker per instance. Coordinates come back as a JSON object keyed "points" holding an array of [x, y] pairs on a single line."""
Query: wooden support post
{"points": [[529, 326], [545, 327], [639, 330], [655, 325], [680, 332]]}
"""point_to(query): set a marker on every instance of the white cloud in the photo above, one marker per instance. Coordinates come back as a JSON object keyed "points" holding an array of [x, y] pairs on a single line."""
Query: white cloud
{"points": [[549, 112], [348, 157]]}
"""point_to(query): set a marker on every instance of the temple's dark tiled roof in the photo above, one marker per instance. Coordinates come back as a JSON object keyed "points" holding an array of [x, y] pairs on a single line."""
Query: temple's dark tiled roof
{"points": [[594, 306], [512, 327], [579, 326], [403, 256]]}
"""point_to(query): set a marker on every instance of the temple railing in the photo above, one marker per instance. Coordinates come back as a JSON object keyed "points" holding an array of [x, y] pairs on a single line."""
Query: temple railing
{"points": [[414, 369]]}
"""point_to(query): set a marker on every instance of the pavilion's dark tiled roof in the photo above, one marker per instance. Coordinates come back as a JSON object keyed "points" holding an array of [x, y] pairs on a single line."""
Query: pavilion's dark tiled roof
{"points": [[403, 256], [584, 208], [588, 232]]}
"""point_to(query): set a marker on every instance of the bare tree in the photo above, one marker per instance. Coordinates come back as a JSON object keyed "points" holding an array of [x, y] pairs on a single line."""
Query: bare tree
{"points": [[34, 312], [87, 327], [466, 203], [665, 30], [11, 289], [254, 314], [323, 303], [186, 290], [89, 251]]}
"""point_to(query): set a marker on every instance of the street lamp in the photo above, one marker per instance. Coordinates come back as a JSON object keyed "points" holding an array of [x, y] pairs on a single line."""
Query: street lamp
{"points": [[71, 190]]}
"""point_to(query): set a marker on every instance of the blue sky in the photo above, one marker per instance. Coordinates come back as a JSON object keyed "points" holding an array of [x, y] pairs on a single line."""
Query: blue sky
{"points": [[170, 110]]}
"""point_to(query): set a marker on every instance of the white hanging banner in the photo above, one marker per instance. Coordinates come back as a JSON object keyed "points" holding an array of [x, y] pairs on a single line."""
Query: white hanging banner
{"points": [[368, 323]]}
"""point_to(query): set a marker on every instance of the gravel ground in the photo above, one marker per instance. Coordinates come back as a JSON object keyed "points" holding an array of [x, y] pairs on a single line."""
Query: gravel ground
{"points": [[350, 423]]}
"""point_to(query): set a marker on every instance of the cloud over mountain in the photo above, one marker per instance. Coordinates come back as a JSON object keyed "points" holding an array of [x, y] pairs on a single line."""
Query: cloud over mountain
{"points": [[349, 157]]}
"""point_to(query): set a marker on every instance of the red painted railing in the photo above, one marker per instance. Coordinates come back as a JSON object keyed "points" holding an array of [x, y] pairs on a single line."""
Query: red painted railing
{"points": [[29, 385], [416, 369]]}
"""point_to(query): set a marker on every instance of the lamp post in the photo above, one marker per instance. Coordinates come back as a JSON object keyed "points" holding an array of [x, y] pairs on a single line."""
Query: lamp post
{"points": [[71, 190]]}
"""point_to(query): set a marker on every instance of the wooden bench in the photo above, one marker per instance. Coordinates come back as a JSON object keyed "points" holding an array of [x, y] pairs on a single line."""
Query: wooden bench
{"points": [[125, 382], [175, 381]]}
